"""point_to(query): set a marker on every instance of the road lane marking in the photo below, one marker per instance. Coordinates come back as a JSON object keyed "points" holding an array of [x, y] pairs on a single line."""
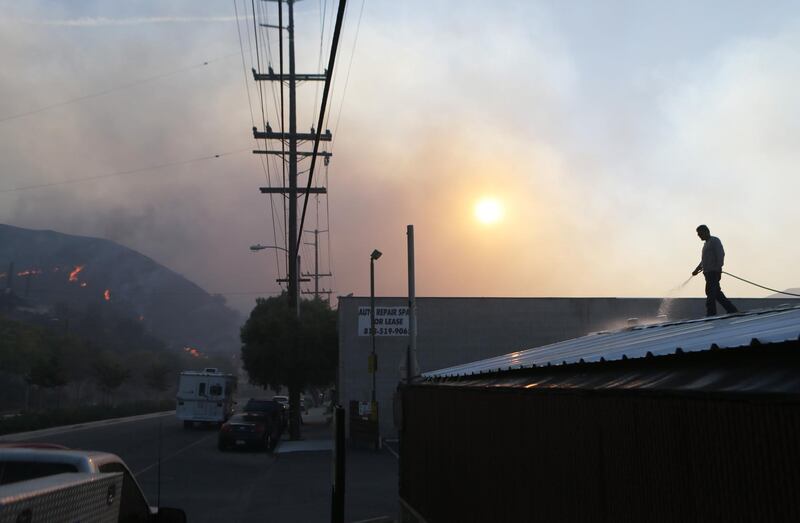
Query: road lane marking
{"points": [[187, 447]]}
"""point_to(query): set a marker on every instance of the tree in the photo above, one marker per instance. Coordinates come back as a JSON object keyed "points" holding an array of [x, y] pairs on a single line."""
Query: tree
{"points": [[157, 376], [109, 373], [280, 349], [48, 370]]}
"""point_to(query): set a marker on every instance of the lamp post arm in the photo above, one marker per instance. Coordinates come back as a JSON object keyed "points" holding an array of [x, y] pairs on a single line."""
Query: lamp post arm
{"points": [[259, 247]]}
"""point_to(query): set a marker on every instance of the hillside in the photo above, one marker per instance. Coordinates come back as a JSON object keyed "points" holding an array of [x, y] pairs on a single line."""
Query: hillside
{"points": [[52, 268]]}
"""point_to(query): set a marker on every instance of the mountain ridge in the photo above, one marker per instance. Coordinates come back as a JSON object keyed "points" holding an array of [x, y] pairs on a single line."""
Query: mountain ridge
{"points": [[50, 267]]}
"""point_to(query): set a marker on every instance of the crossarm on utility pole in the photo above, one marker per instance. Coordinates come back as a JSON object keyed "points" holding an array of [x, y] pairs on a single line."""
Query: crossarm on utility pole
{"points": [[272, 77], [288, 190], [324, 154], [271, 135]]}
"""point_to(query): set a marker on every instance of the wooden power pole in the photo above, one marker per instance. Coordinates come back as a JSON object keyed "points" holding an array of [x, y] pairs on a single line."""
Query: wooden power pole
{"points": [[292, 155], [316, 274]]}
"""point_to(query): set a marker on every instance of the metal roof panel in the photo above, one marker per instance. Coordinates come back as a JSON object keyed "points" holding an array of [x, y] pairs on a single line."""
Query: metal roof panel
{"points": [[734, 330]]}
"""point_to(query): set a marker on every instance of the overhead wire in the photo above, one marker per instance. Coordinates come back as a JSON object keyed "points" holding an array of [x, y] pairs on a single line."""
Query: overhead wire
{"points": [[247, 89], [333, 141], [323, 8], [283, 124], [329, 226], [159, 293], [271, 160], [329, 148], [333, 84], [123, 173], [265, 165], [326, 91], [347, 77], [264, 12], [115, 88]]}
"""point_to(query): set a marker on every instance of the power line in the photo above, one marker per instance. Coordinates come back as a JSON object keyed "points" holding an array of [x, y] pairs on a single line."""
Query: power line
{"points": [[252, 116], [323, 10], [123, 173], [325, 92], [114, 89], [150, 293], [263, 121], [330, 228], [347, 77]]}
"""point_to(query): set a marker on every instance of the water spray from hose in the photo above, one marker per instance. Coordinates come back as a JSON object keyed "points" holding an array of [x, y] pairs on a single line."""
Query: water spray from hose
{"points": [[666, 303]]}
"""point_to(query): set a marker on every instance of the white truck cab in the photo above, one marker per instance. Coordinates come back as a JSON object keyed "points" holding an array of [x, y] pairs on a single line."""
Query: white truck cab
{"points": [[48, 484], [205, 396]]}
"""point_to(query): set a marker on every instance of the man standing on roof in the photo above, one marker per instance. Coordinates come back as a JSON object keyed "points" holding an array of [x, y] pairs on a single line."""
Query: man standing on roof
{"points": [[711, 266]]}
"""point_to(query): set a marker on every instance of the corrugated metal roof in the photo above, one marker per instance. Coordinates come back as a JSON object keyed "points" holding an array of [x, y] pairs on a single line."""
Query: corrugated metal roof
{"points": [[735, 330]]}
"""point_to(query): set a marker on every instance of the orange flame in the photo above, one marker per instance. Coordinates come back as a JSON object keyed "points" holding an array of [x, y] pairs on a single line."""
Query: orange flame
{"points": [[194, 352], [107, 295], [73, 276]]}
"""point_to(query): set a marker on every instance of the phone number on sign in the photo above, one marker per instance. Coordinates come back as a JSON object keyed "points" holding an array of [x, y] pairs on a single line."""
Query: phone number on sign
{"points": [[387, 331]]}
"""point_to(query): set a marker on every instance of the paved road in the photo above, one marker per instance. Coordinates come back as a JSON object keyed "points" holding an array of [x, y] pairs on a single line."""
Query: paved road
{"points": [[242, 486]]}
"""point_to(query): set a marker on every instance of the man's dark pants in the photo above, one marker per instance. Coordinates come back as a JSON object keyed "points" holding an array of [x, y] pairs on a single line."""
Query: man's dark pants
{"points": [[714, 294]]}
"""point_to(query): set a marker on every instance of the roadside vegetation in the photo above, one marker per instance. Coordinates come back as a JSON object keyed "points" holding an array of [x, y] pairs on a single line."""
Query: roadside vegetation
{"points": [[71, 366]]}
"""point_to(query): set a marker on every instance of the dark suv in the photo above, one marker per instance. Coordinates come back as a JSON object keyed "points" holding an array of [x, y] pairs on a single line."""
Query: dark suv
{"points": [[271, 408]]}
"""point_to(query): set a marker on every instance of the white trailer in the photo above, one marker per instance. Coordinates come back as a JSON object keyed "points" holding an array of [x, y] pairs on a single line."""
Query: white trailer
{"points": [[205, 396]]}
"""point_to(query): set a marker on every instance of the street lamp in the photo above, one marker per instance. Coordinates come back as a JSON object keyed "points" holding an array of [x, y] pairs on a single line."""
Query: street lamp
{"points": [[373, 358], [259, 247], [373, 361]]}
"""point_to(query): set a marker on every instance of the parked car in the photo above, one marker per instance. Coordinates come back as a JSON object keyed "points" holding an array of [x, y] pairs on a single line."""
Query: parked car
{"points": [[274, 410], [249, 429], [283, 400]]}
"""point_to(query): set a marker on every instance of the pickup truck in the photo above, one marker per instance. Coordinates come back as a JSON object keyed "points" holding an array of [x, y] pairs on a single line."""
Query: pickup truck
{"points": [[23, 467]]}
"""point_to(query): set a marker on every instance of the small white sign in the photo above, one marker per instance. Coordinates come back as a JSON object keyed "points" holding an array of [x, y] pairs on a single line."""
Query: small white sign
{"points": [[389, 321]]}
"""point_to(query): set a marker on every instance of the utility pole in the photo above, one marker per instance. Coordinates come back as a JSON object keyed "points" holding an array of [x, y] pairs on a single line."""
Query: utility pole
{"points": [[292, 138], [316, 274], [292, 191]]}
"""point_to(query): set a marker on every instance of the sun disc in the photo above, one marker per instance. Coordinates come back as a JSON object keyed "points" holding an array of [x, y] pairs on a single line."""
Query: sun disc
{"points": [[488, 211]]}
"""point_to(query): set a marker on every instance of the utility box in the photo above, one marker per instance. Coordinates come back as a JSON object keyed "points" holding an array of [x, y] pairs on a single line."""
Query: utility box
{"points": [[71, 496], [364, 424]]}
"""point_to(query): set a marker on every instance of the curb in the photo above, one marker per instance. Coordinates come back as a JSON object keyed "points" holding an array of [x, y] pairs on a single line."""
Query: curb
{"points": [[80, 426]]}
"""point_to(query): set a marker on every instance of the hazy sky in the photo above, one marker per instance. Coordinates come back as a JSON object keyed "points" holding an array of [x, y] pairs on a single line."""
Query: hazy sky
{"points": [[607, 130]]}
